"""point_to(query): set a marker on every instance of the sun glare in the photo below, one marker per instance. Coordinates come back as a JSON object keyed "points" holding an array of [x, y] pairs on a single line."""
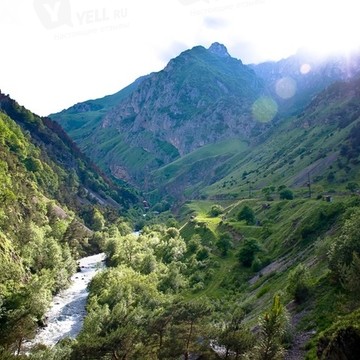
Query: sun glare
{"points": [[333, 27]]}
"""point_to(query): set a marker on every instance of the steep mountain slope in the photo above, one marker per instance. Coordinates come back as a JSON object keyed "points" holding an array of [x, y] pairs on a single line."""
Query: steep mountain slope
{"points": [[294, 81], [82, 118], [53, 201], [321, 142], [201, 97], [72, 169]]}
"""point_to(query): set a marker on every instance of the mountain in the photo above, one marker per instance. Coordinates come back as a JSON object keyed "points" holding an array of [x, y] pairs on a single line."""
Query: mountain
{"points": [[201, 97], [294, 81], [189, 125], [70, 166], [264, 256], [320, 142]]}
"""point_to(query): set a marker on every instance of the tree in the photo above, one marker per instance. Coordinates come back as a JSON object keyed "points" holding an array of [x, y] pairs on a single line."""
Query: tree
{"points": [[330, 177], [299, 283], [121, 302], [173, 280], [224, 244], [33, 164], [188, 327], [234, 336], [248, 251], [98, 221], [216, 210], [247, 214], [351, 276], [273, 324], [346, 246], [194, 244], [286, 194]]}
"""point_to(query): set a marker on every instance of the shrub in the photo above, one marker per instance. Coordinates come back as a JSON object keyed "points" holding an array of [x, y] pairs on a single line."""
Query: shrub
{"points": [[224, 244], [342, 339], [286, 194], [299, 283], [248, 251], [257, 265], [247, 214], [344, 252], [216, 210]]}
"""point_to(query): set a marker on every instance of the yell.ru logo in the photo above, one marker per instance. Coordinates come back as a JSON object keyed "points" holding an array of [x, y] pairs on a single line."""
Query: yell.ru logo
{"points": [[53, 13]]}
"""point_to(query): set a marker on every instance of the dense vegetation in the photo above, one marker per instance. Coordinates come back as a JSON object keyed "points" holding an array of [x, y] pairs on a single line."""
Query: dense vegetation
{"points": [[262, 263], [72, 173], [51, 201], [173, 292]]}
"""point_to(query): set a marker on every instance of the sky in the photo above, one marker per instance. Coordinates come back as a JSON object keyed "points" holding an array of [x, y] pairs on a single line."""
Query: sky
{"points": [[55, 53]]}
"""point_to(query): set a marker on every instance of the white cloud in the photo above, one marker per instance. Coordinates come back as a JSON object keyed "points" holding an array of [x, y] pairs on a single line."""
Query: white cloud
{"points": [[58, 52]]}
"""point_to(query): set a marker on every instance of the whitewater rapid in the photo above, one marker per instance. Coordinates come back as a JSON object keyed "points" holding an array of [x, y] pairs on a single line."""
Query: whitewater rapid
{"points": [[66, 314]]}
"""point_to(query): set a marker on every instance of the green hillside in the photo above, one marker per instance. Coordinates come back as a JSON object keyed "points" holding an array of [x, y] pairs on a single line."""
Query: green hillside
{"points": [[248, 244], [53, 204], [221, 277], [199, 98], [320, 143], [187, 176], [82, 118]]}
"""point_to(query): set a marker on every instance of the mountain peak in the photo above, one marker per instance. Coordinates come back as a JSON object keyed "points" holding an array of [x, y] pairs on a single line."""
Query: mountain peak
{"points": [[219, 49]]}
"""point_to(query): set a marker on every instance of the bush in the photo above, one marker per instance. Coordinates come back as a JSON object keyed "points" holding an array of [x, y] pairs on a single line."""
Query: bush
{"points": [[247, 214], [345, 251], [224, 244], [216, 210], [299, 283], [286, 194], [257, 265], [247, 252]]}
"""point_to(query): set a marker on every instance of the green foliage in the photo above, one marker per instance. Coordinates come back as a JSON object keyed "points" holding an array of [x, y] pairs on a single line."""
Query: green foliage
{"points": [[341, 340], [233, 335], [268, 191], [40, 237], [48, 152], [352, 186], [224, 244], [286, 194], [121, 302], [345, 250], [98, 221], [319, 220], [61, 351], [273, 324], [247, 252], [216, 210], [33, 164], [299, 283], [247, 214]]}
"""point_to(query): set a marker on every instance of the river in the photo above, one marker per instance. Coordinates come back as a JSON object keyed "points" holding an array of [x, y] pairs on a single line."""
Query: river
{"points": [[67, 312]]}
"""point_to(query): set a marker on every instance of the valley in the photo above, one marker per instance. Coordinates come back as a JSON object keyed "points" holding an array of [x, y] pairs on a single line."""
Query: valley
{"points": [[246, 201]]}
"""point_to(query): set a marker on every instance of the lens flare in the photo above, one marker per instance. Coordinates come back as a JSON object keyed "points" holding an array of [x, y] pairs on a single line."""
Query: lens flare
{"points": [[305, 68], [285, 87], [264, 109]]}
